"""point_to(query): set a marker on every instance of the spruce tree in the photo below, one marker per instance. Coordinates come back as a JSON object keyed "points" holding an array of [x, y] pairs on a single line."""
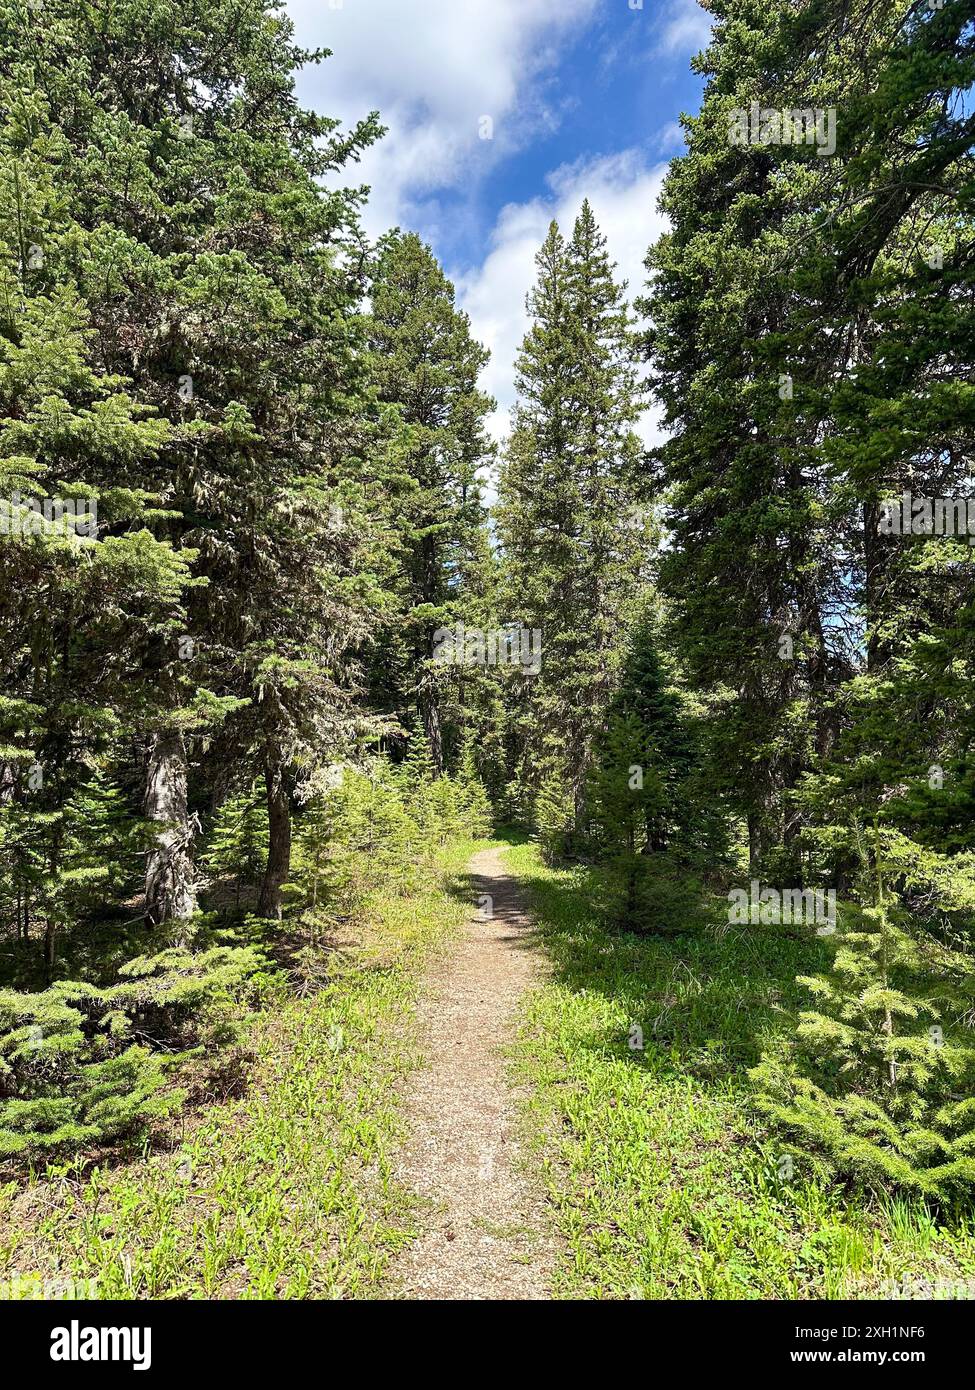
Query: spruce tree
{"points": [[87, 589], [573, 530], [644, 797], [879, 1074], [802, 346], [238, 838], [222, 271], [810, 344], [427, 365]]}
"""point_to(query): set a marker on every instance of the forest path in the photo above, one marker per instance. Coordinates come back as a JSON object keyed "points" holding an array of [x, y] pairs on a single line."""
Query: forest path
{"points": [[487, 1235]]}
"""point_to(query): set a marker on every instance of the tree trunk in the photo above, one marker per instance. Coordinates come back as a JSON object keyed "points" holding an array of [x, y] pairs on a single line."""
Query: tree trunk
{"points": [[50, 947], [430, 710], [279, 841], [170, 881], [757, 841]]}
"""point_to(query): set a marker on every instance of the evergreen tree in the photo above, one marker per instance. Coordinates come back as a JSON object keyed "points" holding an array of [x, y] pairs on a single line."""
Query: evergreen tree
{"points": [[748, 564], [838, 641], [645, 795], [799, 334], [86, 588], [573, 532], [223, 278], [238, 838], [427, 365], [880, 1074]]}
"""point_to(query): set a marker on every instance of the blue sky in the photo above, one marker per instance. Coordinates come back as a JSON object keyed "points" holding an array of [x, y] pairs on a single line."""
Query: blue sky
{"points": [[501, 115]]}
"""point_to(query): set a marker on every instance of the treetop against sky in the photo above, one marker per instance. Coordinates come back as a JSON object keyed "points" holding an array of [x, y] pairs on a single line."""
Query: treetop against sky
{"points": [[500, 115]]}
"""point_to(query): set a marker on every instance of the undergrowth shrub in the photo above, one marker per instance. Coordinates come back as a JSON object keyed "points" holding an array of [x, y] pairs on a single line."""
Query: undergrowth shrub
{"points": [[879, 1075], [88, 1062], [83, 1065], [376, 830]]}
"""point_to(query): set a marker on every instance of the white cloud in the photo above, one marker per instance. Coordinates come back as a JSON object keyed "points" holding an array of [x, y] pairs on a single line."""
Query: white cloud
{"points": [[623, 192], [687, 31], [670, 140], [433, 69]]}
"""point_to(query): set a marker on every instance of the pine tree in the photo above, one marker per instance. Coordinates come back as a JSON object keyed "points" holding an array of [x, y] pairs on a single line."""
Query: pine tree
{"points": [[238, 838], [573, 531], [222, 271], [427, 365], [880, 1074]]}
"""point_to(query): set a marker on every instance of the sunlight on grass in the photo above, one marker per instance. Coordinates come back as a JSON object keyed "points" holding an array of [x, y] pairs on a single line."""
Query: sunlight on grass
{"points": [[663, 1182], [287, 1193]]}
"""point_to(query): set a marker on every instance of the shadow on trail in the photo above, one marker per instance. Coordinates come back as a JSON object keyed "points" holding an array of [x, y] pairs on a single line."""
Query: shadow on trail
{"points": [[704, 999], [500, 897]]}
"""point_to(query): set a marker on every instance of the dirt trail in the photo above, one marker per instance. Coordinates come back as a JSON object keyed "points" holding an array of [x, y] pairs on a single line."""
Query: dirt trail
{"points": [[487, 1235]]}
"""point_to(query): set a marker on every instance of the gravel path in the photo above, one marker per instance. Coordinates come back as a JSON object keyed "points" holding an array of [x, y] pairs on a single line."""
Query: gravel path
{"points": [[487, 1234]]}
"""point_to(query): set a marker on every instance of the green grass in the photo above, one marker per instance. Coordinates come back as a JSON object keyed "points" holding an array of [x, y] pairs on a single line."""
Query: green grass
{"points": [[286, 1192], [663, 1182]]}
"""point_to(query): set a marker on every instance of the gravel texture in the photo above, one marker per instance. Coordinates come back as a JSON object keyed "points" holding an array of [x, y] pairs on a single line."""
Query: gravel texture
{"points": [[487, 1232]]}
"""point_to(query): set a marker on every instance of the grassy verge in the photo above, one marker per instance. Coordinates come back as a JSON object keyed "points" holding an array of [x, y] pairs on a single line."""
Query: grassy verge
{"points": [[663, 1184], [284, 1193]]}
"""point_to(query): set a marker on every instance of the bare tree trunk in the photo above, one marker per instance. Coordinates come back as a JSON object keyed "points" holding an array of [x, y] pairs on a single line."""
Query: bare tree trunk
{"points": [[279, 841], [760, 833], [170, 880]]}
